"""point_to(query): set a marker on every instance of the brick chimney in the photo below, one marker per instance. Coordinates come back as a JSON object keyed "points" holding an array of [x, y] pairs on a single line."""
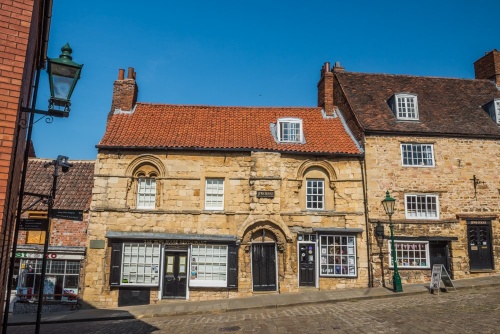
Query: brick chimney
{"points": [[124, 92], [325, 87], [488, 67]]}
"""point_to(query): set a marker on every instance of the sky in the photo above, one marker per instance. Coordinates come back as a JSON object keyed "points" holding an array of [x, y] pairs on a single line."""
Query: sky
{"points": [[247, 53]]}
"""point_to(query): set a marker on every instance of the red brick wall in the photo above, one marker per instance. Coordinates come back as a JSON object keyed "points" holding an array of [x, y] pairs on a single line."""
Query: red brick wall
{"points": [[488, 67], [18, 42]]}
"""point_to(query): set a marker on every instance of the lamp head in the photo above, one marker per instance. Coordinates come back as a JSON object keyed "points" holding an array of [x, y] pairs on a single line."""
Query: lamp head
{"points": [[388, 203]]}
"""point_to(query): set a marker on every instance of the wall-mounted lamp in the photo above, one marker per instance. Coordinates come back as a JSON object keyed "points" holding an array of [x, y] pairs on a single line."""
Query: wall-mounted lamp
{"points": [[379, 231], [63, 76]]}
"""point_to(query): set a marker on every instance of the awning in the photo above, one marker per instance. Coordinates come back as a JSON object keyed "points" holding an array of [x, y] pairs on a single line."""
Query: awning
{"points": [[171, 236]]}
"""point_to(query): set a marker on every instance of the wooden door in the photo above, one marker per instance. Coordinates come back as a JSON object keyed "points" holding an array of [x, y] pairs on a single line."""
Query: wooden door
{"points": [[264, 266]]}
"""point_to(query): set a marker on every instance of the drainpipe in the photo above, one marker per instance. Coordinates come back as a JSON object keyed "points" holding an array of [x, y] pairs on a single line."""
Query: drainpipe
{"points": [[367, 224]]}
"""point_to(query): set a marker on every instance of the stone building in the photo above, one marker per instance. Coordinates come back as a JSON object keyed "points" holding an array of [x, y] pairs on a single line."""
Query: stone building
{"points": [[434, 143], [68, 237], [23, 45], [204, 202]]}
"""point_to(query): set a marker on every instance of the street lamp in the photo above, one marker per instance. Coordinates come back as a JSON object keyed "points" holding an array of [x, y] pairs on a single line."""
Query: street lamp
{"points": [[63, 76], [388, 202]]}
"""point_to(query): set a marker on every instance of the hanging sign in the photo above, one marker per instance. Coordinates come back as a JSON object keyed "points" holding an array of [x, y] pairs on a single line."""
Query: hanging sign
{"points": [[28, 224], [67, 214], [439, 274]]}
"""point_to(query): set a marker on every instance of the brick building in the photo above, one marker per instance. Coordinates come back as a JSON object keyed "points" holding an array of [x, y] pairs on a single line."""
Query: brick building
{"points": [[68, 238], [23, 44], [203, 202], [434, 143]]}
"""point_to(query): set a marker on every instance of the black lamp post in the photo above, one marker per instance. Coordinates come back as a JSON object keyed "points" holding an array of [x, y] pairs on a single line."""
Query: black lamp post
{"points": [[63, 76], [388, 202]]}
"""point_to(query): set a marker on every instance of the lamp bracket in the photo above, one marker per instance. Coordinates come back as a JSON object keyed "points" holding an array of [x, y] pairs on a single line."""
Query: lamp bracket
{"points": [[51, 112], [476, 182]]}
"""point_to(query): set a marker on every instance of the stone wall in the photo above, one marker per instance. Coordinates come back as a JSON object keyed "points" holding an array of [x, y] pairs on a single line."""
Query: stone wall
{"points": [[180, 209], [457, 161]]}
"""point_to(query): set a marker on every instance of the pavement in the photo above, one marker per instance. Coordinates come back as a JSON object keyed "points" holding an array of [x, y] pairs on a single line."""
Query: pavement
{"points": [[265, 300]]}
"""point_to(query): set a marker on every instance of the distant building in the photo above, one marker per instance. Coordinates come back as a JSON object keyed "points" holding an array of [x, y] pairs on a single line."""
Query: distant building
{"points": [[434, 143], [23, 46], [203, 202], [68, 237]]}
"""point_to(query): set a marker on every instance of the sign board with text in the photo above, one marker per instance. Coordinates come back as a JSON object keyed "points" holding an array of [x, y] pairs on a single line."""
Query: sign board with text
{"points": [[67, 214], [28, 224], [439, 274]]}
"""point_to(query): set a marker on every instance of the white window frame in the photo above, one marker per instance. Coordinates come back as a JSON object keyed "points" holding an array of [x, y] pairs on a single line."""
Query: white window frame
{"points": [[417, 155], [406, 106], [497, 110], [289, 130], [337, 255], [140, 264], [214, 194], [209, 266], [146, 193], [417, 206], [317, 198], [410, 257]]}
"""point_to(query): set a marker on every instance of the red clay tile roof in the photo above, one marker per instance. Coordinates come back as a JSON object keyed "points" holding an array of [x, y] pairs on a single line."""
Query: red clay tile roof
{"points": [[223, 128], [445, 106], [74, 188]]}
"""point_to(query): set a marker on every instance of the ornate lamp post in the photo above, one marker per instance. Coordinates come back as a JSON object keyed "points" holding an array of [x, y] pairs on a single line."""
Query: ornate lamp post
{"points": [[388, 202]]}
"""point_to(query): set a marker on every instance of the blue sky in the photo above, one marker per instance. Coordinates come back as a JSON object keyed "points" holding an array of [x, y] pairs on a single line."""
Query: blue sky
{"points": [[248, 53]]}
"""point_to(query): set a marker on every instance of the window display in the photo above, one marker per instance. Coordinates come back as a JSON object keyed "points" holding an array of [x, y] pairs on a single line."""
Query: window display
{"points": [[208, 265], [338, 255]]}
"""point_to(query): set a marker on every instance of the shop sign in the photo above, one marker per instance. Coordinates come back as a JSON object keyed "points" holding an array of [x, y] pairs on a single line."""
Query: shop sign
{"points": [[265, 193], [67, 214], [27, 224], [176, 242], [479, 222], [50, 256]]}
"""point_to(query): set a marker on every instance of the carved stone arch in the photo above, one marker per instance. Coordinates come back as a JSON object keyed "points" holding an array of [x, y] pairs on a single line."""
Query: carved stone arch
{"points": [[261, 226], [146, 160], [326, 166]]}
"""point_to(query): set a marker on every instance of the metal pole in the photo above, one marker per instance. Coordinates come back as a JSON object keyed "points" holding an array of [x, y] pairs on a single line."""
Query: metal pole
{"points": [[46, 246], [396, 279]]}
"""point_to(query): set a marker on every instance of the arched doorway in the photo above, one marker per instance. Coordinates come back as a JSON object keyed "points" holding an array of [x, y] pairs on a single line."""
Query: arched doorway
{"points": [[264, 266]]}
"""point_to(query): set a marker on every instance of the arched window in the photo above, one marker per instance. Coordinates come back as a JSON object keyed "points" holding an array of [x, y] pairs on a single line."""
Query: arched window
{"points": [[145, 172]]}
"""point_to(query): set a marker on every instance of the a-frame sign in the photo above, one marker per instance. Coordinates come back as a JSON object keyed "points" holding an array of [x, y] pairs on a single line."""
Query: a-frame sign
{"points": [[439, 274]]}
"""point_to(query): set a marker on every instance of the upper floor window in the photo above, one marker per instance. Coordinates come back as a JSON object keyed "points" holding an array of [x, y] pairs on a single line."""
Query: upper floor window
{"points": [[405, 106], [290, 130], [497, 110], [417, 155], [315, 194], [421, 206], [214, 194], [146, 192]]}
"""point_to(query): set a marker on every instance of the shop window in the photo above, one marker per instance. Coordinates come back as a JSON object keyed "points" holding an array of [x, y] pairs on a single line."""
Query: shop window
{"points": [[140, 264], [410, 254], [61, 279], [209, 265], [338, 255]]}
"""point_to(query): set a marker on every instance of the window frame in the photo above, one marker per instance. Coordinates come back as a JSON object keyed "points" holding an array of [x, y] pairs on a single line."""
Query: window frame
{"points": [[496, 103], [153, 265], [418, 214], [282, 122], [345, 244], [398, 245], [414, 150], [208, 194], [196, 266], [322, 195], [399, 110], [146, 192]]}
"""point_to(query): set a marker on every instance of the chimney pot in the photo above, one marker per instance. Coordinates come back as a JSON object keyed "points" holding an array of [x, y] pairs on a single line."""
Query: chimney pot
{"points": [[131, 73], [121, 74]]}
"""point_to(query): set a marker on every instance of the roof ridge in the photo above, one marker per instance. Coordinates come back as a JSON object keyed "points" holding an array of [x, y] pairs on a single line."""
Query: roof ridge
{"points": [[412, 76], [224, 107]]}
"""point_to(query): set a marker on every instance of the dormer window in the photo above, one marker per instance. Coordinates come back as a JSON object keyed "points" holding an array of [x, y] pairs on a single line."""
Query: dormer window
{"points": [[493, 109], [405, 106], [290, 130]]}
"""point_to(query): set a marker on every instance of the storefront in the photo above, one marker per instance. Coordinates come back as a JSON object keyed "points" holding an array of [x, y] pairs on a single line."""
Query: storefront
{"points": [[62, 280], [169, 266]]}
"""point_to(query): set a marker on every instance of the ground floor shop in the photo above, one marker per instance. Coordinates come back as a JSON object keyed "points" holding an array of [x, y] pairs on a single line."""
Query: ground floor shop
{"points": [[64, 267], [465, 248], [145, 268]]}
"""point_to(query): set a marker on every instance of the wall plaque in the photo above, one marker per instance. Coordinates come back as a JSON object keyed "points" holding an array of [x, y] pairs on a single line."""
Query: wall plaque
{"points": [[265, 193]]}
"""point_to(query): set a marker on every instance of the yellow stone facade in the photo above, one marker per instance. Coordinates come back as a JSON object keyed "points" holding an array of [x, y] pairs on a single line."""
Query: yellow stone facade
{"points": [[462, 205], [278, 219]]}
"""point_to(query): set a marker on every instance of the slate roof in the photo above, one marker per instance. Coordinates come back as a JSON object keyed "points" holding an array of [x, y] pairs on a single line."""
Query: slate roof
{"points": [[74, 188], [445, 106], [163, 126]]}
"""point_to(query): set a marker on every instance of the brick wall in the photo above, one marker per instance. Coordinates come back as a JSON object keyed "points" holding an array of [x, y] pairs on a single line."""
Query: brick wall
{"points": [[488, 67]]}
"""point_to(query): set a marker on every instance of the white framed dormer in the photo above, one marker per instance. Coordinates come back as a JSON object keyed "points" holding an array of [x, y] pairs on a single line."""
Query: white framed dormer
{"points": [[290, 130], [493, 109], [497, 110], [405, 106]]}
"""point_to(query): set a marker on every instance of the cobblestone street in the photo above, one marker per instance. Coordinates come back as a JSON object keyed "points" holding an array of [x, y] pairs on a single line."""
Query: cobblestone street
{"points": [[465, 311]]}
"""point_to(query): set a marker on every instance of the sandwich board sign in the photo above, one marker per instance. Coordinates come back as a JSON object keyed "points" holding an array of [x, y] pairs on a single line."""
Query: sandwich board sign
{"points": [[439, 274]]}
